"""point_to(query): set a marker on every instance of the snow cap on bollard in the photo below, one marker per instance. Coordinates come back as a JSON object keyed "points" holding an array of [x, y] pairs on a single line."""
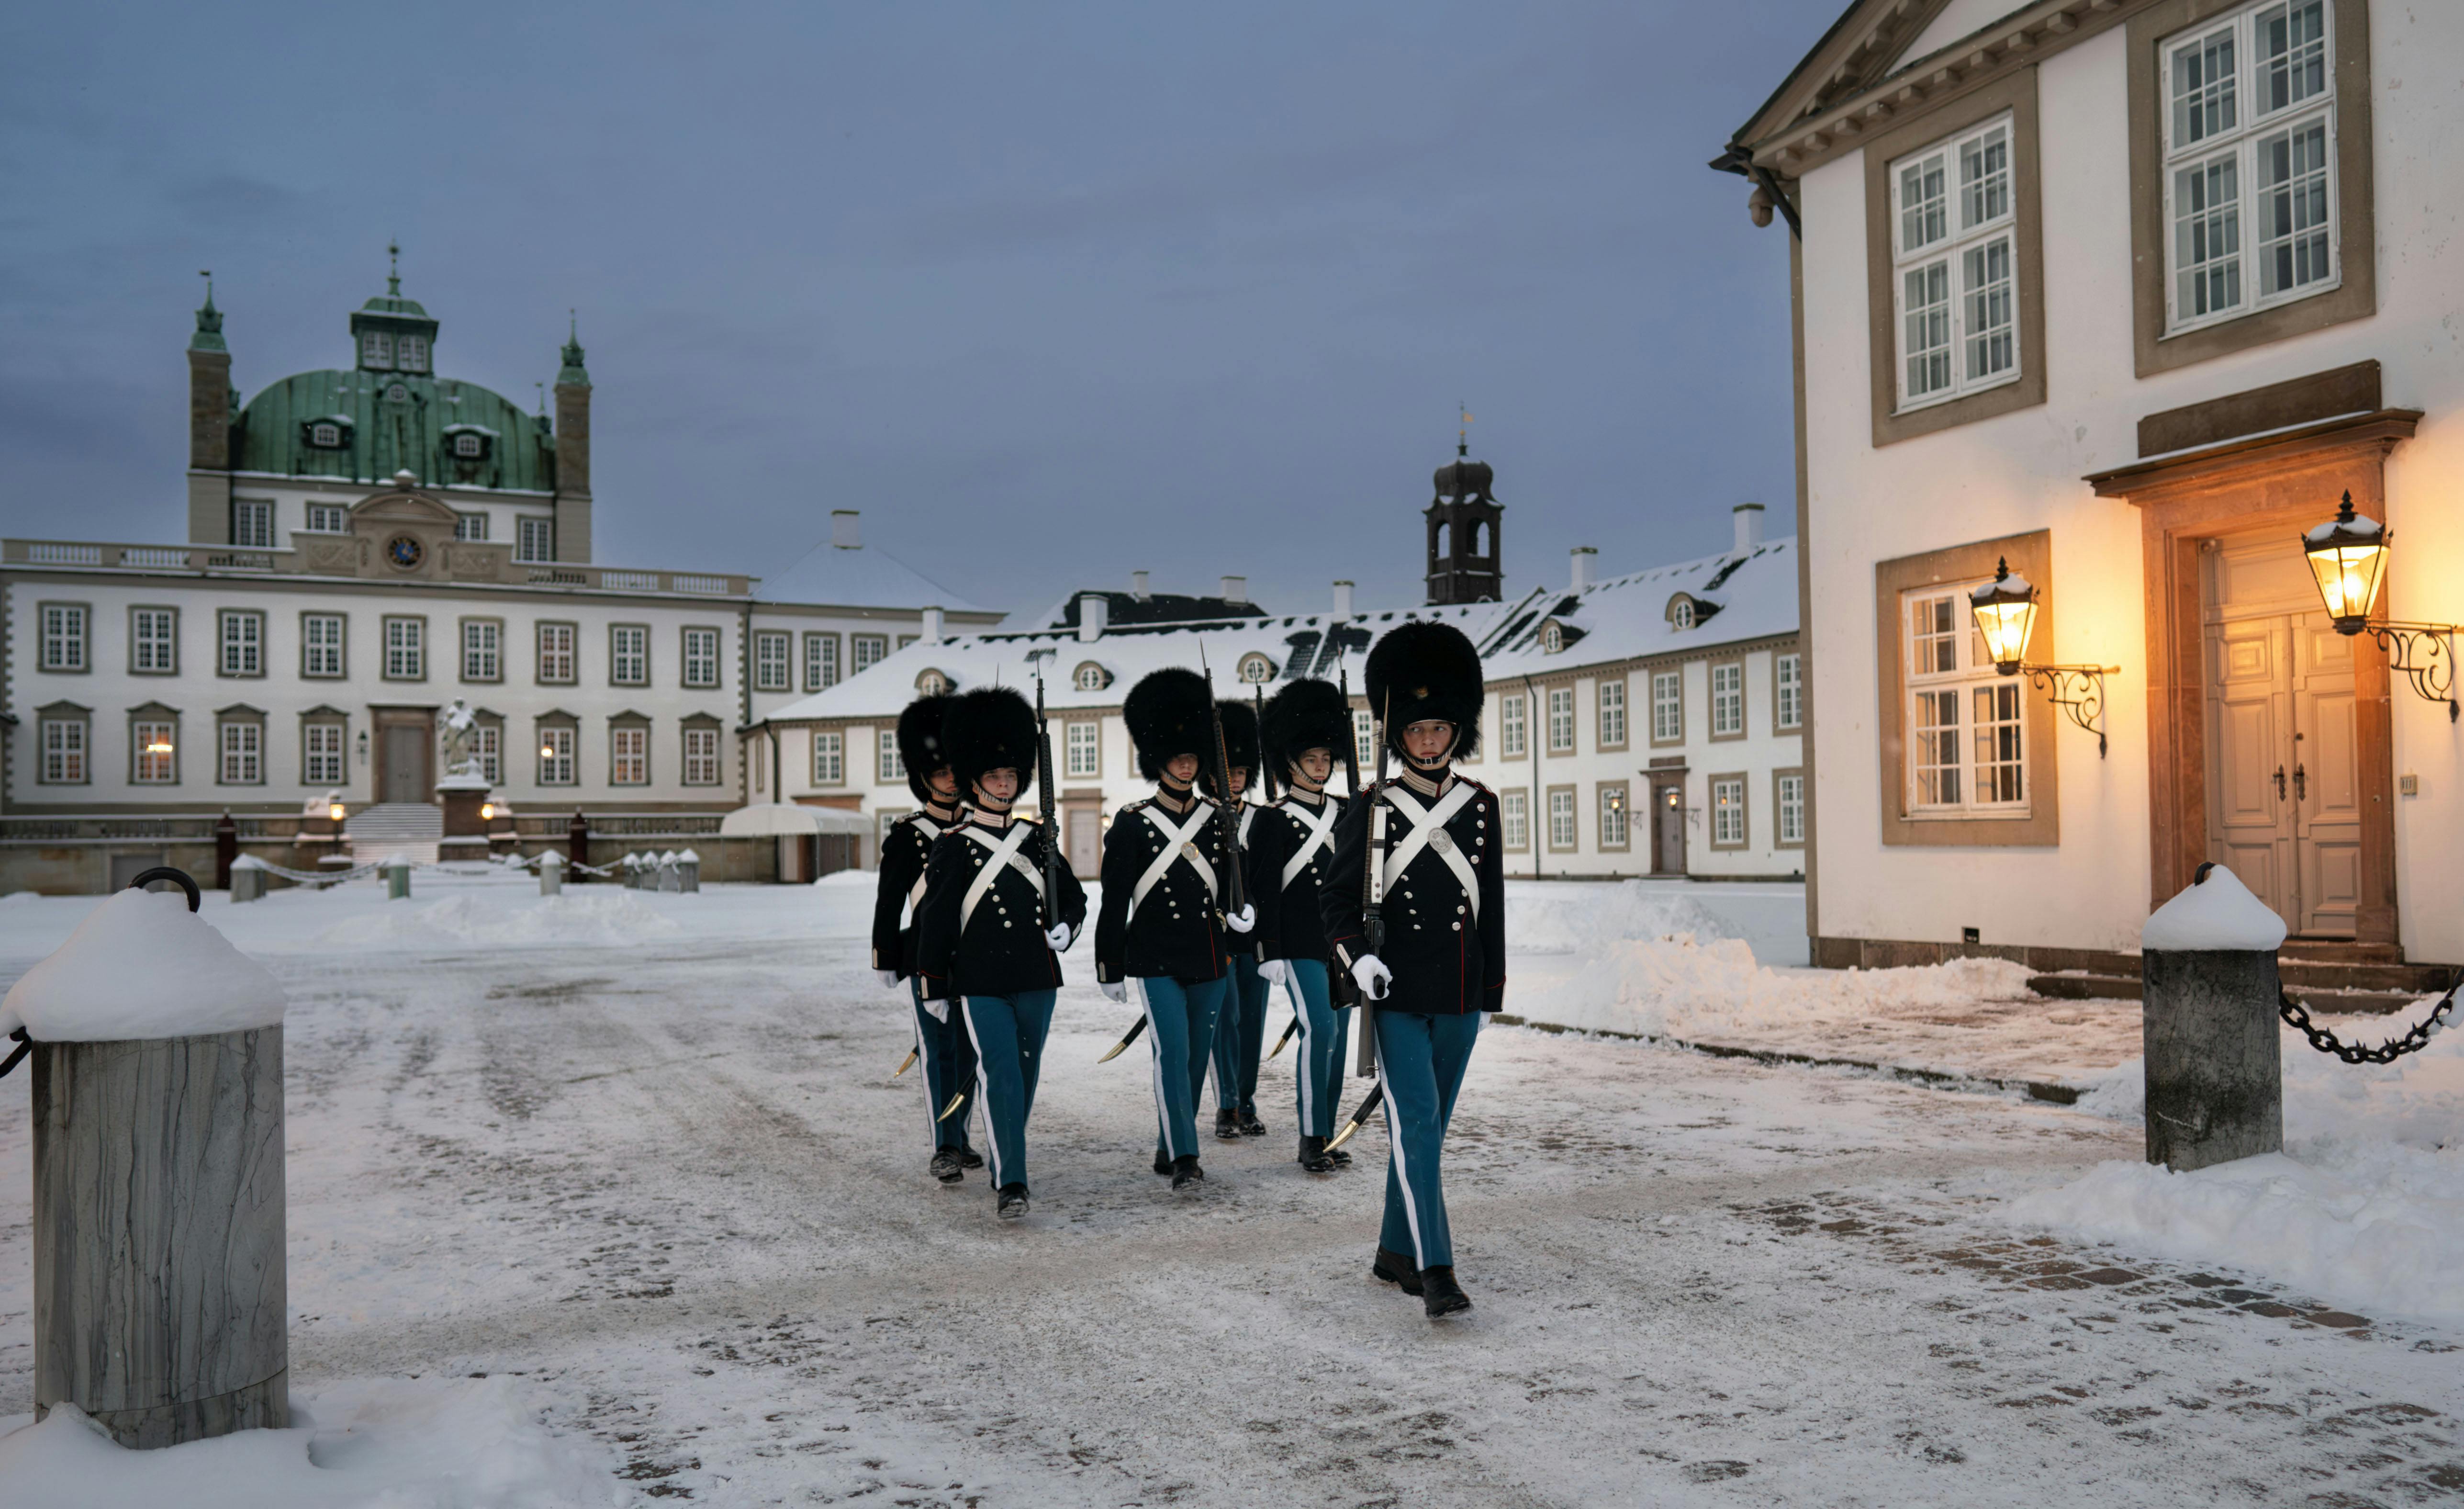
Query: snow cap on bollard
{"points": [[142, 966], [687, 857], [2213, 914], [551, 860]]}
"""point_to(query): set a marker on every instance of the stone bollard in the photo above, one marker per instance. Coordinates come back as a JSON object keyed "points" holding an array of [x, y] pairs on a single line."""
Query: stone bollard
{"points": [[248, 878], [630, 869], [689, 871], [159, 1284], [670, 879], [2207, 1025], [551, 868], [397, 878]]}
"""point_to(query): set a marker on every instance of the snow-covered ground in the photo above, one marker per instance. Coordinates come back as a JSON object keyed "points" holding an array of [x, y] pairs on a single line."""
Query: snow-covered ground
{"points": [[617, 1191]]}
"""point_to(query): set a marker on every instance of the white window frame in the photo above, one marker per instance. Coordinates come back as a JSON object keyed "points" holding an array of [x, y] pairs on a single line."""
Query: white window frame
{"points": [[1085, 746], [241, 632], [821, 661], [888, 767], [702, 657], [866, 652], [329, 518], [829, 757], [534, 540], [63, 742], [376, 351], [1729, 812], [1612, 712], [557, 765], [1977, 216], [469, 447], [1614, 816], [322, 646], [253, 523], [1944, 658], [628, 654], [1514, 816], [557, 665], [1788, 673], [406, 650], [1364, 739], [1668, 706], [146, 768], [1561, 720], [1790, 797], [628, 754], [2243, 145], [1564, 835], [65, 637], [770, 652], [1728, 698], [325, 435], [154, 641], [410, 353], [482, 650], [470, 527], [242, 750], [488, 748], [319, 764], [1513, 730], [701, 756]]}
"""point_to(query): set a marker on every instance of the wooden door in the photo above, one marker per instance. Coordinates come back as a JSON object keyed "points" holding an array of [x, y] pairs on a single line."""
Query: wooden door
{"points": [[405, 758], [1086, 841], [1668, 829], [2250, 734], [2326, 799]]}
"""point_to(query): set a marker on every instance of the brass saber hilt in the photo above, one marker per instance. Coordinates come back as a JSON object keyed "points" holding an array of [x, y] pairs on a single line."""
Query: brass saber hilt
{"points": [[951, 1108], [1288, 1034], [1127, 1039], [904, 1064], [1359, 1118]]}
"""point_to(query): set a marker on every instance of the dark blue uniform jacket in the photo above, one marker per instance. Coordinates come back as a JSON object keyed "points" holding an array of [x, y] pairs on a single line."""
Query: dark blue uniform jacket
{"points": [[1001, 948], [1445, 958]]}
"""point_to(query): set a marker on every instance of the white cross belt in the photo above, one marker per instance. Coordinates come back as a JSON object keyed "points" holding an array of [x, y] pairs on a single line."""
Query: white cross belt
{"points": [[1178, 845], [1428, 825], [1002, 852]]}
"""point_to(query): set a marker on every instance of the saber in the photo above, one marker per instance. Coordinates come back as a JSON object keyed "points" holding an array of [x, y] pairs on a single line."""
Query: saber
{"points": [[1127, 1039], [1287, 1035], [1359, 1118], [904, 1064], [955, 1102]]}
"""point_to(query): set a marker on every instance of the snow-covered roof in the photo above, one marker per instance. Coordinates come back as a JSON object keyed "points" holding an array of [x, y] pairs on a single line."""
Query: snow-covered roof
{"points": [[862, 576], [1298, 645], [1626, 617]]}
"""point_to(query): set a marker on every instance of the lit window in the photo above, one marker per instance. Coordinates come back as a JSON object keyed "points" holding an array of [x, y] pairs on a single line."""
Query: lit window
{"points": [[321, 755], [1966, 744], [1955, 271], [156, 752], [829, 757], [556, 757], [1613, 817], [63, 742], [1727, 701], [1729, 812], [63, 636], [1086, 752], [628, 756]]}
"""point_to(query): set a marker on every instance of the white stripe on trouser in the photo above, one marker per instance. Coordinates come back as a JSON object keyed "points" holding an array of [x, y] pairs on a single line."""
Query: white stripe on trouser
{"points": [[1309, 1060], [924, 1057], [984, 1091], [1155, 1042], [1395, 1148]]}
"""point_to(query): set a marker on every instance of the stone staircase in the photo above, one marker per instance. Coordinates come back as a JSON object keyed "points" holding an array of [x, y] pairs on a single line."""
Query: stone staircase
{"points": [[411, 830], [2328, 977]]}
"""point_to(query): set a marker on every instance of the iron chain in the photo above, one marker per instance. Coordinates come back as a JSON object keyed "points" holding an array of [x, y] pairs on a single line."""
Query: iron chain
{"points": [[2386, 1053]]}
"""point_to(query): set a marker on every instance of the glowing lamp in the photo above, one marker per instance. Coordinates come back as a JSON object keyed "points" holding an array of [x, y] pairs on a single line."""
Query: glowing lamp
{"points": [[487, 811], [547, 751], [334, 811], [158, 747], [2006, 615], [2347, 555]]}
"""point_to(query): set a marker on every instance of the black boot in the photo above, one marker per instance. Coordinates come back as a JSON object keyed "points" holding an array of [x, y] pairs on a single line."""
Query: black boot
{"points": [[1227, 1126], [946, 1166], [1251, 1125], [1013, 1203], [1164, 1162], [1312, 1156], [1394, 1267], [1440, 1295], [1185, 1171], [1342, 1159], [969, 1158]]}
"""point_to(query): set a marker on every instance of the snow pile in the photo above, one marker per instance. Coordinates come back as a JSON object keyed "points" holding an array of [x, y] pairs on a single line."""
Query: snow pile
{"points": [[142, 966], [458, 1444], [2213, 914], [850, 879], [594, 919], [1564, 920]]}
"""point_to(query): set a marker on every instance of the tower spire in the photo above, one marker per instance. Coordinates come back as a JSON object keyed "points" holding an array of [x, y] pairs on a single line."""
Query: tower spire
{"points": [[1463, 434], [393, 269], [210, 320]]}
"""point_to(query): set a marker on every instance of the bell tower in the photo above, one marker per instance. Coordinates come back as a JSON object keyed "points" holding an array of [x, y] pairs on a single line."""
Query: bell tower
{"points": [[1462, 522]]}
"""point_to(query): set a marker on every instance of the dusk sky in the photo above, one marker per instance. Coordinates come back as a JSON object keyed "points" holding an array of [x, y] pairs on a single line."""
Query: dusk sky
{"points": [[1051, 293]]}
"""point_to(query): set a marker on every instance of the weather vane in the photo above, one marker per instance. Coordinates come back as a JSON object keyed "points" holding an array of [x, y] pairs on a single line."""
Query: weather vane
{"points": [[393, 269], [1463, 436]]}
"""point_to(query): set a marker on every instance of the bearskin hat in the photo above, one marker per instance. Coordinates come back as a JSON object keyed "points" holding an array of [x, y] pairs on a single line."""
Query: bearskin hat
{"points": [[1239, 745], [990, 728], [1303, 716], [1421, 670], [920, 744], [1167, 716]]}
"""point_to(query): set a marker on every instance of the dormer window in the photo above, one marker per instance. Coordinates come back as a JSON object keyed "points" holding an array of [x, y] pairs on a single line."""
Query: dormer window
{"points": [[325, 435], [1090, 677], [410, 353], [1553, 638], [933, 683], [1256, 670], [1682, 616], [375, 349], [1685, 610], [466, 447]]}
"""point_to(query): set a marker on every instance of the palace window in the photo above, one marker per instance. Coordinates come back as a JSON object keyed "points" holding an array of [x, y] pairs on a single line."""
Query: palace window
{"points": [[243, 642], [534, 540], [628, 654], [320, 645], [1788, 689], [821, 661], [406, 650], [328, 518], [1954, 232], [154, 752], [702, 657], [1613, 713], [1512, 727], [320, 760], [1514, 815], [1681, 613], [253, 523], [1364, 739], [890, 766], [1256, 670], [243, 752], [480, 660], [1667, 708], [829, 757], [702, 757], [1086, 749], [556, 666], [1728, 811], [870, 650], [932, 682], [64, 636], [375, 349], [1561, 720], [325, 435], [487, 748], [1561, 817], [469, 447], [1966, 739], [1789, 787], [2249, 115], [470, 527], [628, 755], [410, 353], [1090, 677], [1729, 699], [64, 745], [1612, 825], [556, 765], [770, 662]]}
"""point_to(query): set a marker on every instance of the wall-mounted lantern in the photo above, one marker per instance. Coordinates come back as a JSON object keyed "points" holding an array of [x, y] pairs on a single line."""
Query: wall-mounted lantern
{"points": [[363, 746], [2347, 557], [2006, 618]]}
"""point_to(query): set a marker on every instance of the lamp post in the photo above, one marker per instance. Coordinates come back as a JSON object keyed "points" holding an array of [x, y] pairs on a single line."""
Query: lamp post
{"points": [[2006, 618], [2348, 558]]}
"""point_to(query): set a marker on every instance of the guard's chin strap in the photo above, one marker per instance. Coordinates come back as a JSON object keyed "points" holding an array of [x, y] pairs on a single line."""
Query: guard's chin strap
{"points": [[991, 808], [1303, 784]]}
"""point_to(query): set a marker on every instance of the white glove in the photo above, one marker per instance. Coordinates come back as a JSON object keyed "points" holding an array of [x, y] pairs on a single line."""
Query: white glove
{"points": [[941, 1009], [1274, 971], [1241, 920], [1059, 938], [1114, 989], [1371, 974], [889, 978]]}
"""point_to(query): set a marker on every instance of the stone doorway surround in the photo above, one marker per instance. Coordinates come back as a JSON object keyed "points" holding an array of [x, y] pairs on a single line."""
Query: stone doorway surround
{"points": [[2289, 479], [383, 721]]}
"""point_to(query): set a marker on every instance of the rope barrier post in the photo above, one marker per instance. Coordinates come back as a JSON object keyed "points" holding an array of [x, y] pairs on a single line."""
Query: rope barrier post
{"points": [[551, 871], [576, 843], [248, 878], [2214, 1067], [398, 879]]}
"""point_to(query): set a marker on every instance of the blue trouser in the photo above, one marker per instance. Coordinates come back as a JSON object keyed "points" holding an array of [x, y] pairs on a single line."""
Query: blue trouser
{"points": [[1318, 1067], [1421, 1061], [1180, 1024], [1240, 1029], [1008, 1032], [949, 1068]]}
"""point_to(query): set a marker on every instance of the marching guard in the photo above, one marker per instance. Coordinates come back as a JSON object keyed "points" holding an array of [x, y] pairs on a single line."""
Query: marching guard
{"points": [[1166, 870], [1239, 1028], [1305, 722], [995, 916], [1429, 874], [940, 1039]]}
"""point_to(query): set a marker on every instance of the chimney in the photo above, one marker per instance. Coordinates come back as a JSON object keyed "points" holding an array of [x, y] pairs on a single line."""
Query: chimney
{"points": [[1236, 590], [933, 635], [1093, 610], [843, 530], [1749, 527], [1138, 586], [1587, 560], [1342, 601]]}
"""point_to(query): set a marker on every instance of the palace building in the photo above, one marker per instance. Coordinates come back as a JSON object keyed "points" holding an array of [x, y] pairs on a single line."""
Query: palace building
{"points": [[365, 545]]}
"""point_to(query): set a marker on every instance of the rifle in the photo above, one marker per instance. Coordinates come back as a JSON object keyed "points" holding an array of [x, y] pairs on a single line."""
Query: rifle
{"points": [[1373, 928], [1234, 894], [1049, 800]]}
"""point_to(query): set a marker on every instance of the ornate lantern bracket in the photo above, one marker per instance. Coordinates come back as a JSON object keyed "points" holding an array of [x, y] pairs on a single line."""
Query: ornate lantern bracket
{"points": [[2424, 652], [2004, 610], [2078, 691], [2347, 557]]}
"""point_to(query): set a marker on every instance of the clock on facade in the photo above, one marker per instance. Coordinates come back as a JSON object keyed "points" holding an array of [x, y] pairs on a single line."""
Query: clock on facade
{"points": [[405, 551]]}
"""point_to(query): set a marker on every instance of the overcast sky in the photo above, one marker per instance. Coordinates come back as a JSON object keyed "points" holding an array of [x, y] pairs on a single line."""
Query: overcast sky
{"points": [[1049, 292]]}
